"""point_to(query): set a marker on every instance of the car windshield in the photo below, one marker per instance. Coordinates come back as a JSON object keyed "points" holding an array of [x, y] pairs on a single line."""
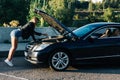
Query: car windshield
{"points": [[83, 30]]}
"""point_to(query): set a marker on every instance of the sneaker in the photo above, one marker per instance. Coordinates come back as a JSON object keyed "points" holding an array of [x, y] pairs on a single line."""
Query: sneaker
{"points": [[8, 62]]}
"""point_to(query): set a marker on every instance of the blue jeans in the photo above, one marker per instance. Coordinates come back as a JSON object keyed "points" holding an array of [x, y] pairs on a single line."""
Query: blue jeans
{"points": [[16, 33]]}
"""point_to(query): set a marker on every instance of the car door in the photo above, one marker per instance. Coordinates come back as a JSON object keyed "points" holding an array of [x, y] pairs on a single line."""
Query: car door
{"points": [[97, 48]]}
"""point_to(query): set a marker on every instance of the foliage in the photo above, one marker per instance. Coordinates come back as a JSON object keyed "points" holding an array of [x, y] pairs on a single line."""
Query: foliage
{"points": [[40, 4], [82, 4], [63, 10], [92, 18], [13, 10], [98, 6], [108, 15], [5, 25], [108, 10], [90, 8], [111, 3], [13, 23]]}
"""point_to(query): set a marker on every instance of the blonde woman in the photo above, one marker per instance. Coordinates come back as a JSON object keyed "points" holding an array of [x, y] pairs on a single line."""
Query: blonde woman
{"points": [[25, 32]]}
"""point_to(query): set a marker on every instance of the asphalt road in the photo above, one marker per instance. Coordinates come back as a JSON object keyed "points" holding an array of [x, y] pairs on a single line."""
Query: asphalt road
{"points": [[24, 70]]}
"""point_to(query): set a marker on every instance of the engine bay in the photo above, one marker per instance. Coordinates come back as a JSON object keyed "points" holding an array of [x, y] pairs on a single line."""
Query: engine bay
{"points": [[53, 39]]}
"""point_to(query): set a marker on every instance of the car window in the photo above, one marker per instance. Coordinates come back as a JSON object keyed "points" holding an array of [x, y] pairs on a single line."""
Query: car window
{"points": [[115, 32], [106, 32], [83, 30], [98, 33]]}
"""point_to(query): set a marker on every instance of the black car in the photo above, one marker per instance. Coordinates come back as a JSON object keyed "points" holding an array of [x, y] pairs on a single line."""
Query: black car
{"points": [[82, 45]]}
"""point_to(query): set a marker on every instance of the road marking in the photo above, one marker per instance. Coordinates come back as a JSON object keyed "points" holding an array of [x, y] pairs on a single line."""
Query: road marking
{"points": [[13, 76]]}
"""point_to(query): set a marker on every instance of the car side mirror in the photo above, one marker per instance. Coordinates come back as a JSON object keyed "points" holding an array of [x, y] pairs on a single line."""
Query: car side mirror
{"points": [[90, 39]]}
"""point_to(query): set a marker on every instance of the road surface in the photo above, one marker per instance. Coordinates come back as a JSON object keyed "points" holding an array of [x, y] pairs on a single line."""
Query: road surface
{"points": [[24, 70]]}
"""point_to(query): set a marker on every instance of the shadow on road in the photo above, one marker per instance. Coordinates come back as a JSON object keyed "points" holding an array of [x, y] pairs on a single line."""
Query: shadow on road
{"points": [[106, 69], [21, 64]]}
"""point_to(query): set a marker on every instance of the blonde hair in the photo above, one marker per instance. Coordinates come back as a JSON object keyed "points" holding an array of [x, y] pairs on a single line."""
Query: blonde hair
{"points": [[34, 19]]}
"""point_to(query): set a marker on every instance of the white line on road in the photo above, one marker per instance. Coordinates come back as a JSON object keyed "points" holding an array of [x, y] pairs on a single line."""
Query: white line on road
{"points": [[13, 76]]}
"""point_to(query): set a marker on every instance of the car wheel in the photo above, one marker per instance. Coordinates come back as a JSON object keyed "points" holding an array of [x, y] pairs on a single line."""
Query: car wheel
{"points": [[59, 60]]}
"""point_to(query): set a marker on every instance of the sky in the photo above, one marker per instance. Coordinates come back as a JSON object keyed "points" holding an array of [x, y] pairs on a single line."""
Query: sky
{"points": [[94, 1]]}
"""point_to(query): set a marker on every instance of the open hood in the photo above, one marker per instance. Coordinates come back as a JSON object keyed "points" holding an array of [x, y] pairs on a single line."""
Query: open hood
{"points": [[62, 29]]}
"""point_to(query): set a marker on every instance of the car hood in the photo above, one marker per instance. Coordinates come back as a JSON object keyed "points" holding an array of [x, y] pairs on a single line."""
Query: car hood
{"points": [[62, 29]]}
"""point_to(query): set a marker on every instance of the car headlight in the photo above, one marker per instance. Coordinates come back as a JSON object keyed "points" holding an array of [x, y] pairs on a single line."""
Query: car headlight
{"points": [[42, 46]]}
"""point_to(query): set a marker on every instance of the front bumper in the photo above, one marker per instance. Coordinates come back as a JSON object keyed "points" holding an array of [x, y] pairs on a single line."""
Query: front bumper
{"points": [[31, 58], [32, 61]]}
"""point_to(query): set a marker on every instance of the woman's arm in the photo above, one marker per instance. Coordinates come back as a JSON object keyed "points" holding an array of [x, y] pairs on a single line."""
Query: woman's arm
{"points": [[39, 34]]}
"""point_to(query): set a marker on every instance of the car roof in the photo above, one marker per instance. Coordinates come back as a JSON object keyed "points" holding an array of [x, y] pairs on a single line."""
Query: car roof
{"points": [[99, 24]]}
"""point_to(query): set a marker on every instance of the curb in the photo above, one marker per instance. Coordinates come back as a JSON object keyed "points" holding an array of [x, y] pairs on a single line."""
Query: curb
{"points": [[18, 53]]}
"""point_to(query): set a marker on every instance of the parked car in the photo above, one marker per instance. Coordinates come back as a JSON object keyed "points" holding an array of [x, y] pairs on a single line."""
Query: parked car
{"points": [[82, 45]]}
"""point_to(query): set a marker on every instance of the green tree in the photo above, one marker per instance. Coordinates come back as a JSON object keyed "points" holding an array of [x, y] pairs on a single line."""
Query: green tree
{"points": [[13, 10], [82, 4], [111, 3], [40, 4], [98, 6], [90, 7], [33, 5], [108, 15], [63, 10]]}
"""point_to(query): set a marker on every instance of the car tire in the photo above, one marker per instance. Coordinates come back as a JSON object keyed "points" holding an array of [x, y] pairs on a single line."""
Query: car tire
{"points": [[59, 60]]}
